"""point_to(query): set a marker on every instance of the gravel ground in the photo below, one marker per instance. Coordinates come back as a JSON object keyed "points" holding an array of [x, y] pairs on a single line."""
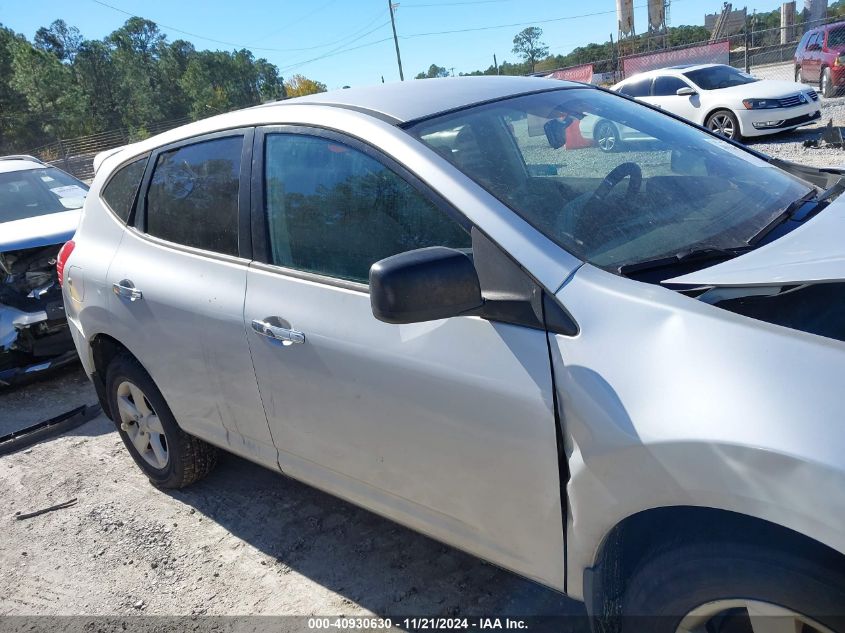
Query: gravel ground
{"points": [[245, 540], [789, 145]]}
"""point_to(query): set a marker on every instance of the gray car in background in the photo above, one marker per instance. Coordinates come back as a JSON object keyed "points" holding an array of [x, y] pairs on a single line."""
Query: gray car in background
{"points": [[615, 373]]}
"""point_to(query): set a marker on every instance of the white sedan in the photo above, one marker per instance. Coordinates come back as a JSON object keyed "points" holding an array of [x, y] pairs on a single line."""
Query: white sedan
{"points": [[725, 100]]}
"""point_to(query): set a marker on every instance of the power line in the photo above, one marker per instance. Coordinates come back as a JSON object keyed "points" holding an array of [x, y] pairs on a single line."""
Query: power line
{"points": [[517, 24], [340, 49], [298, 20], [413, 5], [227, 43]]}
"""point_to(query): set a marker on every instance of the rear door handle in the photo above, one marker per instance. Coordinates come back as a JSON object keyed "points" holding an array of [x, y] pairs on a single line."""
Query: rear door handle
{"points": [[127, 290], [285, 335]]}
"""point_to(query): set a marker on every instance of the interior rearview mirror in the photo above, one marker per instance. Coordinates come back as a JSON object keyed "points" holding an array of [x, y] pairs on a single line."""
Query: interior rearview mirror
{"points": [[688, 163], [424, 285], [555, 133], [686, 91]]}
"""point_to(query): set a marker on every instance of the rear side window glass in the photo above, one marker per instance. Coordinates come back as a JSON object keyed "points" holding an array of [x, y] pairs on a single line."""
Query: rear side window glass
{"points": [[836, 37], [667, 86], [637, 89], [334, 211], [119, 194], [193, 195]]}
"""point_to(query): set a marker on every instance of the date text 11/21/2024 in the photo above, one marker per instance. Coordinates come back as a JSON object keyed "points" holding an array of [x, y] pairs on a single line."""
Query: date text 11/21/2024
{"points": [[417, 624]]}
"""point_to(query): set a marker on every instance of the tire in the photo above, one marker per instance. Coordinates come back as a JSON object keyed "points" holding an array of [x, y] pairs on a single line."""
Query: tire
{"points": [[724, 123], [170, 458], [711, 586], [606, 136], [826, 84]]}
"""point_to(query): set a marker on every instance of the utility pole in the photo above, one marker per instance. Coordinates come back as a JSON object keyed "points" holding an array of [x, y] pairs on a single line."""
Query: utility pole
{"points": [[495, 63], [395, 40]]}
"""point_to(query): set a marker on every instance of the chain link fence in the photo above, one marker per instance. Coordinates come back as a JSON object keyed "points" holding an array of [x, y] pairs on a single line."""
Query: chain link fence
{"points": [[765, 53], [76, 155]]}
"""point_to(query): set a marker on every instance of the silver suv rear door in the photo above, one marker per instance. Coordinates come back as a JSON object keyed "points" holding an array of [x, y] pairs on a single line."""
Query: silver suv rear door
{"points": [[179, 279]]}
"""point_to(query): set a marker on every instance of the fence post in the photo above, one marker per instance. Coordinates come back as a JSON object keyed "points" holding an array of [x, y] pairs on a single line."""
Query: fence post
{"points": [[747, 44]]}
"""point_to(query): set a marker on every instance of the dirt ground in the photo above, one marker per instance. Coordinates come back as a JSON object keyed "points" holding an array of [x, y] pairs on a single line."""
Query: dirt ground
{"points": [[244, 541]]}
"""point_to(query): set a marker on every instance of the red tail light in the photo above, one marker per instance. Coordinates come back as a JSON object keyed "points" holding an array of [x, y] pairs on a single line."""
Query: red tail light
{"points": [[61, 260]]}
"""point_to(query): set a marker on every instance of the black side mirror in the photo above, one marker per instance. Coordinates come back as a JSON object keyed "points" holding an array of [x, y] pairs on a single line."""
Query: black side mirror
{"points": [[424, 285]]}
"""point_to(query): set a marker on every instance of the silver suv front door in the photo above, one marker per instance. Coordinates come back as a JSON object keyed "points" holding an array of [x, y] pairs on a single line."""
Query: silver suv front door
{"points": [[446, 426]]}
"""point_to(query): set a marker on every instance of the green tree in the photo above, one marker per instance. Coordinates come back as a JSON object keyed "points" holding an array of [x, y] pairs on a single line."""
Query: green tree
{"points": [[61, 40], [433, 71], [49, 89], [527, 43], [97, 79], [136, 47]]}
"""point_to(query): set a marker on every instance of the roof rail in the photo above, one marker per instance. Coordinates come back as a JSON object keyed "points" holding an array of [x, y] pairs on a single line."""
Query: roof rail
{"points": [[22, 157]]}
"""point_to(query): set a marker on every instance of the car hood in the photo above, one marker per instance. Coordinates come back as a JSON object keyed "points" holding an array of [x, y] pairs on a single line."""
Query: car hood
{"points": [[763, 89], [812, 253], [41, 230]]}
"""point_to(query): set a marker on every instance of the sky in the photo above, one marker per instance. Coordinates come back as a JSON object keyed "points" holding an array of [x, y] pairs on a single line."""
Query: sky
{"points": [[349, 42]]}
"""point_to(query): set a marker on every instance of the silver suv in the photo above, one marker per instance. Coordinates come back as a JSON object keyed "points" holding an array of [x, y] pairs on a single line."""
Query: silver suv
{"points": [[616, 373]]}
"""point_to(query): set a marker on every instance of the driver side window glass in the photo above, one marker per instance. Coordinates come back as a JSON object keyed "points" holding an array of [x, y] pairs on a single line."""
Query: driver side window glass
{"points": [[332, 210], [193, 195]]}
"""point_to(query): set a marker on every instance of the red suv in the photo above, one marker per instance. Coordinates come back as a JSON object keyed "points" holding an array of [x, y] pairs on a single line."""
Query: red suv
{"points": [[820, 58]]}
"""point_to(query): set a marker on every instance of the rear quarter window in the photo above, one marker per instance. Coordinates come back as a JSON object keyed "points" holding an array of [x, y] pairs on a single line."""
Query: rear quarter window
{"points": [[119, 193], [193, 195]]}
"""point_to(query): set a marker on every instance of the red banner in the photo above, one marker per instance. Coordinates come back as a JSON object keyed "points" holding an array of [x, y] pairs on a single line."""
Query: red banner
{"points": [[715, 53], [583, 73]]}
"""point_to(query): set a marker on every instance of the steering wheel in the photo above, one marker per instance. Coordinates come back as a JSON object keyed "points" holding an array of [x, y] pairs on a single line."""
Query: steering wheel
{"points": [[590, 212], [617, 175]]}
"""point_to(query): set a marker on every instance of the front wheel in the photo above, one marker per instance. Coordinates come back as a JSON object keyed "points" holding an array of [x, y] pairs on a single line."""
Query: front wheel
{"points": [[725, 588], [165, 453], [724, 123], [606, 136], [826, 84]]}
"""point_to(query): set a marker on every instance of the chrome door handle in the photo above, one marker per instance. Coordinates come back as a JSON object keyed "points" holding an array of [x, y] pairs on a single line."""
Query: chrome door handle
{"points": [[127, 290], [285, 335]]}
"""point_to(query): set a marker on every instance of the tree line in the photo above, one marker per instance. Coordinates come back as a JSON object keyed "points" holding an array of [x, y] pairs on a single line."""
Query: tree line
{"points": [[62, 85]]}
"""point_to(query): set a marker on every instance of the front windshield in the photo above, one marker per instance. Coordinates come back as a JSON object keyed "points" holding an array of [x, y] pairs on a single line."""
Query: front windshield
{"points": [[31, 192], [716, 77], [661, 188]]}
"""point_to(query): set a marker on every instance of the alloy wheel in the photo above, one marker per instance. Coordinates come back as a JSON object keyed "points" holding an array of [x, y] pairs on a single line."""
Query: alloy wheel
{"points": [[606, 138], [722, 124], [747, 616], [141, 424]]}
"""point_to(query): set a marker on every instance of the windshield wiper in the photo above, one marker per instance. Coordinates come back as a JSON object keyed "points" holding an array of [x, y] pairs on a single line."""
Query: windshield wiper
{"points": [[788, 212], [791, 212], [683, 259]]}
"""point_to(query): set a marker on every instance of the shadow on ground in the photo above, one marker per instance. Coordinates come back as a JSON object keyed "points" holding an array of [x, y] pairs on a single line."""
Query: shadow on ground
{"points": [[369, 560], [44, 397]]}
